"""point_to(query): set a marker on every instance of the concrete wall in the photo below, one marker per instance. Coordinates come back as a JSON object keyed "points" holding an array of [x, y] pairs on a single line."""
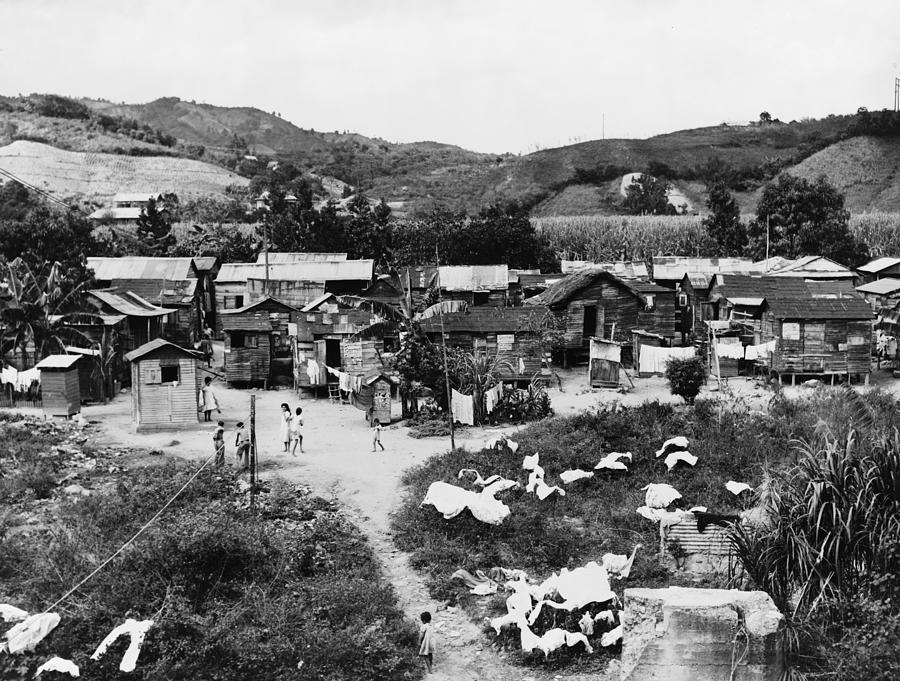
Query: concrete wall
{"points": [[679, 634]]}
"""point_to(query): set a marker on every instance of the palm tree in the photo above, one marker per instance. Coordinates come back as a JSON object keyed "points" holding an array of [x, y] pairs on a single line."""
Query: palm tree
{"points": [[33, 315]]}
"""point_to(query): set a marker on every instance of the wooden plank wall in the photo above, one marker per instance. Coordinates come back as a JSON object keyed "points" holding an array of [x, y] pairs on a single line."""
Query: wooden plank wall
{"points": [[293, 293], [60, 392], [833, 346], [229, 289], [248, 365], [663, 319], [359, 357], [524, 347], [164, 404]]}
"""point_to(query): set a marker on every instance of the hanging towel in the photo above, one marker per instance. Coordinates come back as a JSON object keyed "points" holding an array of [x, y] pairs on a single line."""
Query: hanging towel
{"points": [[345, 381], [760, 351], [492, 398], [312, 371], [521, 365], [462, 406], [653, 359]]}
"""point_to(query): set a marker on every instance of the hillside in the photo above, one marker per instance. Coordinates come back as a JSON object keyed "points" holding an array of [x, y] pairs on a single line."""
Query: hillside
{"points": [[95, 177]]}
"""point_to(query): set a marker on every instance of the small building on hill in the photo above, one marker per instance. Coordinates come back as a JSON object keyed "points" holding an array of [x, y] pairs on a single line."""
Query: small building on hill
{"points": [[259, 342], [512, 333], [880, 268], [596, 303], [165, 386]]}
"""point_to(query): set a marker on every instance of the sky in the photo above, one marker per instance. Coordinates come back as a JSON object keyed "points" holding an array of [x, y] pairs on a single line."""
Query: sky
{"points": [[488, 75]]}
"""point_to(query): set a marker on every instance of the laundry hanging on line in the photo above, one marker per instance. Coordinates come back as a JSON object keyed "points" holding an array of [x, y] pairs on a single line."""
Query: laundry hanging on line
{"points": [[754, 352], [492, 398], [312, 371], [462, 407], [653, 359]]}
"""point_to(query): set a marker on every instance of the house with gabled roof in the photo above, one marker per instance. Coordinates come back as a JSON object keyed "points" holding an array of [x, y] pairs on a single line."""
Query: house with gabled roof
{"points": [[136, 320], [596, 303], [814, 267], [259, 342], [879, 268], [882, 294]]}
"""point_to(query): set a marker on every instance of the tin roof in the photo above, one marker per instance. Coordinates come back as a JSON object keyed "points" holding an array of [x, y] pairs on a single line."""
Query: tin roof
{"points": [[340, 270], [634, 269], [132, 213], [821, 308], [474, 277], [205, 263], [486, 319], [673, 268], [129, 303], [287, 258], [879, 264], [156, 344], [562, 291], [162, 291], [106, 269], [812, 267], [881, 287], [57, 362], [268, 299], [258, 321]]}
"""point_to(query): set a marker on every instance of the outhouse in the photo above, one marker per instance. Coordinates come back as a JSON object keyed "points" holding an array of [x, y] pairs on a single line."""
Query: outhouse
{"points": [[165, 387], [60, 391], [382, 386]]}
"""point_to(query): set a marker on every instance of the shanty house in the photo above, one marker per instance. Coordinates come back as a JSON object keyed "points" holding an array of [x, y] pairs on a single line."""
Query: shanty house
{"points": [[595, 303], [325, 337], [513, 333], [126, 208], [165, 386], [813, 267], [669, 271], [880, 268], [258, 341], [882, 294], [167, 282], [475, 284], [60, 391], [135, 320], [624, 269]]}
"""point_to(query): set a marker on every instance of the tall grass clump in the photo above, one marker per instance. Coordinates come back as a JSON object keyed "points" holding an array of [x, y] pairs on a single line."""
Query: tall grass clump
{"points": [[829, 550], [880, 231]]}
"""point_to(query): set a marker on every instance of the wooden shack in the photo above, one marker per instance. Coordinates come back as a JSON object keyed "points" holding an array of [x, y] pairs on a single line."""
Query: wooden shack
{"points": [[880, 268], [510, 333], [881, 294], [89, 381], [135, 320], [258, 340], [165, 386], [596, 303], [486, 285], [60, 390], [605, 363], [382, 386]]}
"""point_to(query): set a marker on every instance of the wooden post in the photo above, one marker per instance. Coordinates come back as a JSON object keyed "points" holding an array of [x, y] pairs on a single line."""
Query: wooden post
{"points": [[444, 346], [252, 452]]}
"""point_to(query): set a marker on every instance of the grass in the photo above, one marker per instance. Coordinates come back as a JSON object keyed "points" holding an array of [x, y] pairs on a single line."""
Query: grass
{"points": [[235, 595]]}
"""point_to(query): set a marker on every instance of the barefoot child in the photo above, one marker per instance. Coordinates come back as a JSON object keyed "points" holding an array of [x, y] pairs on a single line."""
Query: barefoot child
{"points": [[286, 419], [376, 435], [296, 432], [219, 444], [426, 640]]}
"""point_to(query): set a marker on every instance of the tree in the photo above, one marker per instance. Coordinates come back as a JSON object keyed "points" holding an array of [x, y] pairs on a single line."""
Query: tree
{"points": [[648, 195], [227, 243], [804, 218], [723, 224], [765, 118], [154, 225]]}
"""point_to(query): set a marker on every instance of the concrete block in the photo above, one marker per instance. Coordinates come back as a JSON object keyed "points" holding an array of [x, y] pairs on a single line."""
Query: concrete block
{"points": [[680, 634]]}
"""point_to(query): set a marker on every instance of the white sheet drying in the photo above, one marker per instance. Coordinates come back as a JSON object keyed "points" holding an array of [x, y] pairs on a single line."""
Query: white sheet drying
{"points": [[673, 443], [618, 564], [737, 488], [11, 613], [660, 495], [612, 461], [451, 500], [137, 630], [61, 665], [27, 634], [481, 482], [673, 458], [570, 476]]}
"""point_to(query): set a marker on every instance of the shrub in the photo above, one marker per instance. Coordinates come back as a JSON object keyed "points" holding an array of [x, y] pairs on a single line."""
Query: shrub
{"points": [[686, 376]]}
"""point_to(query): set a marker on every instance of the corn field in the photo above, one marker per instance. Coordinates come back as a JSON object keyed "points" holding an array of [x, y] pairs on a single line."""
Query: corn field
{"points": [[606, 238]]}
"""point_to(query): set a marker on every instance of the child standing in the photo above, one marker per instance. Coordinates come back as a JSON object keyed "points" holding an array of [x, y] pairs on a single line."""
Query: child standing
{"points": [[219, 444], [376, 435], [296, 432], [208, 400], [242, 444], [286, 418], [426, 640]]}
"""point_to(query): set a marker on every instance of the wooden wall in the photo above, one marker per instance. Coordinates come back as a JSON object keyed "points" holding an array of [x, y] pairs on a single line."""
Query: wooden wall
{"points": [[524, 346], [248, 365], [831, 346], [359, 357], [60, 392], [228, 290], [293, 293], [162, 405]]}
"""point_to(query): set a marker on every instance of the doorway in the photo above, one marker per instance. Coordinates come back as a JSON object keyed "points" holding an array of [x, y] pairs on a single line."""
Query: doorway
{"points": [[333, 353], [590, 322]]}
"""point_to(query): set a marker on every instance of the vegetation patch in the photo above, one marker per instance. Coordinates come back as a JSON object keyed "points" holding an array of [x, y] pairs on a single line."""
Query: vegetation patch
{"points": [[233, 593]]}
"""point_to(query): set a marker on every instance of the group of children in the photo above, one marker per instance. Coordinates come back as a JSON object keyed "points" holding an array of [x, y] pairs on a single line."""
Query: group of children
{"points": [[291, 429]]}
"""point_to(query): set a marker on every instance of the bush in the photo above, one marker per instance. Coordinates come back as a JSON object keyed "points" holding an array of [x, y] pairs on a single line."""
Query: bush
{"points": [[686, 376]]}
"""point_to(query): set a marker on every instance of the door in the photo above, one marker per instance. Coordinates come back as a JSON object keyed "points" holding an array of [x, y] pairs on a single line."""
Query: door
{"points": [[604, 373], [320, 357], [333, 353]]}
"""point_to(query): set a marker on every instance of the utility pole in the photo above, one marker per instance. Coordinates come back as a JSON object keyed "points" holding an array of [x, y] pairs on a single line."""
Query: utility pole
{"points": [[253, 452], [767, 245], [266, 255], [896, 94], [603, 127], [437, 258]]}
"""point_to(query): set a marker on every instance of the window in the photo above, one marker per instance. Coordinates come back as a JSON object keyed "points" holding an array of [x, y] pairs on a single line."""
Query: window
{"points": [[240, 339], [682, 300], [169, 374], [481, 297], [238, 301]]}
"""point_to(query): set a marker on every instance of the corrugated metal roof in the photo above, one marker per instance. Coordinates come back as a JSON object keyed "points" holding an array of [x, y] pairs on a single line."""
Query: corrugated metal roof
{"points": [[268, 299], [156, 344], [341, 270], [57, 362], [562, 291], [474, 277], [129, 303], [811, 263], [116, 214], [161, 291], [822, 308], [205, 263], [313, 304], [106, 269], [634, 269], [879, 264], [486, 319], [255, 322], [673, 268], [881, 287], [287, 258]]}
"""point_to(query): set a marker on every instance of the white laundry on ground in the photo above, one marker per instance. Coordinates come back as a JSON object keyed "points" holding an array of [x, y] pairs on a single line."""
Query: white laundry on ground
{"points": [[605, 616], [673, 443], [660, 495], [611, 461], [551, 640], [61, 665], [518, 604], [660, 515], [618, 564], [495, 442], [537, 485], [26, 635], [137, 630], [685, 457], [11, 613], [529, 463], [737, 488], [451, 500], [570, 476], [479, 583], [611, 637], [586, 624], [462, 407]]}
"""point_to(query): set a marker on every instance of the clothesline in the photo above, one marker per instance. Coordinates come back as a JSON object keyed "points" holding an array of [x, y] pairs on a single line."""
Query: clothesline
{"points": [[20, 380]]}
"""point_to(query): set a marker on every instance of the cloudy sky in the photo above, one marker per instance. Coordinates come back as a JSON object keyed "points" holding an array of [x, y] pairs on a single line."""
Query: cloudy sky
{"points": [[490, 75]]}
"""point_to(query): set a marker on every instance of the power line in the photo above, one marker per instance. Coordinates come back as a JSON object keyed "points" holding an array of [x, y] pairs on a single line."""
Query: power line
{"points": [[32, 187]]}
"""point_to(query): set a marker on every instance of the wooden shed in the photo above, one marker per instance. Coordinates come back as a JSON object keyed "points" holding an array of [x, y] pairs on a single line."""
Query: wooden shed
{"points": [[165, 386], [882, 294], [60, 391], [880, 268], [605, 363], [258, 339], [382, 386], [512, 333], [596, 303]]}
